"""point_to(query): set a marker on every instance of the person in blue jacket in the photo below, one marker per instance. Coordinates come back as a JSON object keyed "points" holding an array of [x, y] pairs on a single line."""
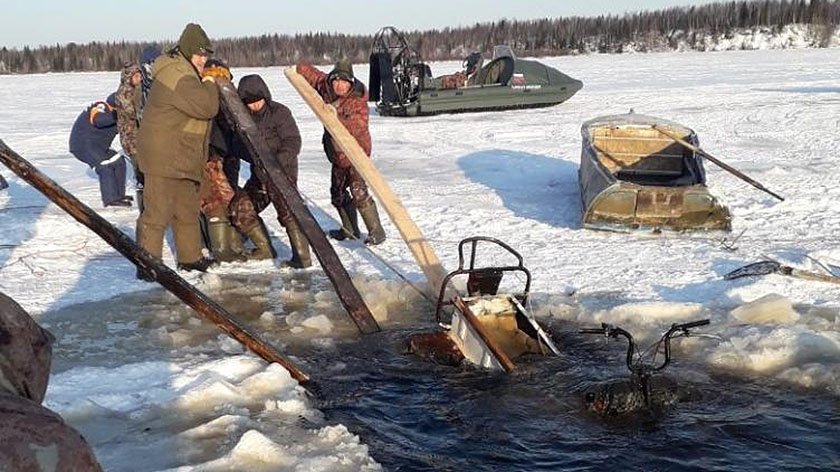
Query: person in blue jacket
{"points": [[90, 142]]}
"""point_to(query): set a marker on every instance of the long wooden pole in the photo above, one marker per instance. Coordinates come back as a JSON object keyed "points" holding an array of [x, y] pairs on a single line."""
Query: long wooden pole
{"points": [[167, 277], [417, 243], [281, 189], [717, 161], [808, 275]]}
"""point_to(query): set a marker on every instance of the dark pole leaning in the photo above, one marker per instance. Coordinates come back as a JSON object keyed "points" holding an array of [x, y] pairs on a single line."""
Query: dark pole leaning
{"points": [[281, 188], [165, 276], [717, 161]]}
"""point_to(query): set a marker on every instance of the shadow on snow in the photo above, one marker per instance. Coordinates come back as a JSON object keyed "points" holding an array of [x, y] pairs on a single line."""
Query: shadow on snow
{"points": [[18, 217], [532, 186]]}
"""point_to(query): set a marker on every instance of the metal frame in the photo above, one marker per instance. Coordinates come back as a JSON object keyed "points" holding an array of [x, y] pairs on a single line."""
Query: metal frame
{"points": [[474, 240]]}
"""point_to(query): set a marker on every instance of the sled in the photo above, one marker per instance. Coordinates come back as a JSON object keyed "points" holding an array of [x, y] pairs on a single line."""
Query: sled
{"points": [[486, 328]]}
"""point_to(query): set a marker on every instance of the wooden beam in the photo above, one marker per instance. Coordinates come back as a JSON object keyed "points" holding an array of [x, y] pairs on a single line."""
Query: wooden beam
{"points": [[282, 189], [417, 243], [167, 277]]}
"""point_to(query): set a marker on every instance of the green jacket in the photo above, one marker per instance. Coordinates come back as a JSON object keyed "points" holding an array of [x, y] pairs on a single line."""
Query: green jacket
{"points": [[174, 135]]}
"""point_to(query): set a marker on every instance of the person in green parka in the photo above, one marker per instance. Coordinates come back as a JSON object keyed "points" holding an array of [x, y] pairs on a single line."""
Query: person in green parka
{"points": [[172, 147]]}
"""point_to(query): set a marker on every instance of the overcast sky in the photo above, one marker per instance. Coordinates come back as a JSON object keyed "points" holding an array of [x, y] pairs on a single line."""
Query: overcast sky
{"points": [[37, 22]]}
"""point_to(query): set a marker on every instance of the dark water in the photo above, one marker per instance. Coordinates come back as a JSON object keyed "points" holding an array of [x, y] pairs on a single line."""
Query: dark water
{"points": [[417, 416]]}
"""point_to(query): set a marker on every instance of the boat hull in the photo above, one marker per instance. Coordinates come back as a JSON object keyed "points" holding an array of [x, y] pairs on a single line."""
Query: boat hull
{"points": [[483, 98], [627, 206], [633, 177]]}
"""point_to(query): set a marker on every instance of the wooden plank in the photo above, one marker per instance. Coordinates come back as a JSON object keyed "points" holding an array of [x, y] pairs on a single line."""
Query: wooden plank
{"points": [[411, 234], [167, 277], [715, 160], [281, 189], [494, 347]]}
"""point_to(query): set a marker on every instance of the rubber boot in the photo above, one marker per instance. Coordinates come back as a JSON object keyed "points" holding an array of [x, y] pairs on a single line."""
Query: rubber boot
{"points": [[349, 221], [301, 258], [236, 243], [200, 265], [262, 243], [219, 230], [376, 235]]}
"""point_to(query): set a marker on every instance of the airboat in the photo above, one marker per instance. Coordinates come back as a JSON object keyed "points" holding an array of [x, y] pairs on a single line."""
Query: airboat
{"points": [[401, 84]]}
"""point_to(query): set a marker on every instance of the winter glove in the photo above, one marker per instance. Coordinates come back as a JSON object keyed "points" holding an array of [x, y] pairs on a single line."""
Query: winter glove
{"points": [[215, 68]]}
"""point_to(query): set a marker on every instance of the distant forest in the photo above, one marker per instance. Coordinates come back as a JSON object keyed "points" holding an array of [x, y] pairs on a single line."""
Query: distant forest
{"points": [[670, 28]]}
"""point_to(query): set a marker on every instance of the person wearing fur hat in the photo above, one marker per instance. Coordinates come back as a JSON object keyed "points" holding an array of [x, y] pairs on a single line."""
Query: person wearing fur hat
{"points": [[348, 190], [172, 147], [90, 142]]}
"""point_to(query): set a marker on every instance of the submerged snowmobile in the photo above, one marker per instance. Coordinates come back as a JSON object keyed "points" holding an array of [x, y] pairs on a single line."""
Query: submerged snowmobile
{"points": [[401, 84], [644, 390]]}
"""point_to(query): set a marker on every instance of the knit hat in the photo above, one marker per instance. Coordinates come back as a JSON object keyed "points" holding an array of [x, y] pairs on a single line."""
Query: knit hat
{"points": [[343, 70], [194, 41], [149, 55]]}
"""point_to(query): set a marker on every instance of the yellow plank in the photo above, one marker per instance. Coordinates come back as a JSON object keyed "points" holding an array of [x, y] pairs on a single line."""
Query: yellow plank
{"points": [[414, 239]]}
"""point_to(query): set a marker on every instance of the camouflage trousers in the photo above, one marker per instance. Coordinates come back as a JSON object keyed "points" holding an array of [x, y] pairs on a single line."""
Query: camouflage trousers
{"points": [[249, 202], [347, 187], [216, 193]]}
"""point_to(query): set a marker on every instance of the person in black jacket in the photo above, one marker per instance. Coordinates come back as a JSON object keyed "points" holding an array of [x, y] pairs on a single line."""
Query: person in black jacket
{"points": [[280, 131], [90, 142]]}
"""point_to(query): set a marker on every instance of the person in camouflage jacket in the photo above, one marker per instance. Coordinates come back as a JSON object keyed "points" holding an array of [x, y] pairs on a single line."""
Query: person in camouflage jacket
{"points": [[348, 190], [130, 80], [221, 176]]}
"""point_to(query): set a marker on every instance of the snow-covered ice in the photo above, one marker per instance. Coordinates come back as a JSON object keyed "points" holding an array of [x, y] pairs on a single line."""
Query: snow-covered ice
{"points": [[772, 114]]}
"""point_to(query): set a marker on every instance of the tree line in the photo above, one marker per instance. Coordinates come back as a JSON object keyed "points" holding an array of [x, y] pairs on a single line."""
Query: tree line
{"points": [[661, 30]]}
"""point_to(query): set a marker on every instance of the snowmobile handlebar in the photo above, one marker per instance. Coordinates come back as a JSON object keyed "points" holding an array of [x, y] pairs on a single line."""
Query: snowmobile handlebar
{"points": [[640, 367], [611, 331]]}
